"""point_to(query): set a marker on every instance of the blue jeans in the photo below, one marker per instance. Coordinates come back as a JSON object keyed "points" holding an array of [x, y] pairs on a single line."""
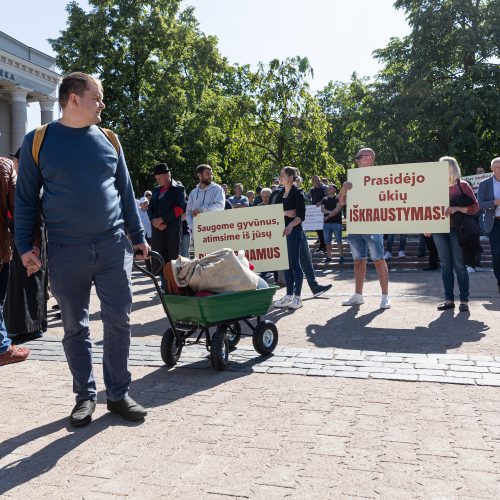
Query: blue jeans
{"points": [[330, 229], [306, 263], [361, 244], [4, 279], [452, 259], [72, 269], [390, 242], [294, 275]]}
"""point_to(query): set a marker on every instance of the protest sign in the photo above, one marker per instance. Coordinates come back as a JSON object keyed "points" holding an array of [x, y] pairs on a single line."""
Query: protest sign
{"points": [[474, 180], [257, 230], [314, 219], [398, 199]]}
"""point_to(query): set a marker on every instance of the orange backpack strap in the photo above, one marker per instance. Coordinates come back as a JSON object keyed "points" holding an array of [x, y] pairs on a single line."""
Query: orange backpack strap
{"points": [[112, 138], [37, 142]]}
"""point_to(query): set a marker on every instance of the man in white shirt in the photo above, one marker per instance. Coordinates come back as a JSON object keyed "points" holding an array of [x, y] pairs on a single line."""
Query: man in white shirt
{"points": [[207, 196]]}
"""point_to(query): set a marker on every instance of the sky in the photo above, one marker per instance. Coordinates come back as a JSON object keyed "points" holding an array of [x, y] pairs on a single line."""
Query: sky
{"points": [[338, 36]]}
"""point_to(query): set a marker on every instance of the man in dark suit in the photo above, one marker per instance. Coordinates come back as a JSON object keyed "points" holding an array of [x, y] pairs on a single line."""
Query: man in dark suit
{"points": [[488, 195], [166, 207]]}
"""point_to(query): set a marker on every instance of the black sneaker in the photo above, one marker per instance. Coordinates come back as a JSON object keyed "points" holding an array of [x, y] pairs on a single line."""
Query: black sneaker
{"points": [[81, 414], [320, 290], [127, 408]]}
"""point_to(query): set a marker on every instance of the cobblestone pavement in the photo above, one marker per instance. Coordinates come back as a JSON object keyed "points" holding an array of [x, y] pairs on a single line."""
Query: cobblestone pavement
{"points": [[313, 421], [412, 325], [212, 435], [445, 368]]}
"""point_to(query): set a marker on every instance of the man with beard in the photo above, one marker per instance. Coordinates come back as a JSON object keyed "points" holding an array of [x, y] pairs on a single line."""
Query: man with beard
{"points": [[207, 196]]}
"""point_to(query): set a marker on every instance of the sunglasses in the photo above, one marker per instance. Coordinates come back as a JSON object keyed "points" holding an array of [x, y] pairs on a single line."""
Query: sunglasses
{"points": [[359, 157]]}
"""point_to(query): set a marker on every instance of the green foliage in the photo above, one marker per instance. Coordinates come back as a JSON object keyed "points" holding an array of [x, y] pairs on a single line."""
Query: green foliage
{"points": [[171, 96]]}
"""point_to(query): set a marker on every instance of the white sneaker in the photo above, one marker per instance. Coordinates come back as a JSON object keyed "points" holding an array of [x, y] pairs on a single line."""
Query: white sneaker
{"points": [[401, 254], [470, 269], [385, 303], [296, 303], [387, 255], [284, 302], [355, 299]]}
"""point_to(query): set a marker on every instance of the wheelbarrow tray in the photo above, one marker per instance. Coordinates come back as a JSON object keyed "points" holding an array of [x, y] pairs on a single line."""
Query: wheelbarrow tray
{"points": [[213, 309]]}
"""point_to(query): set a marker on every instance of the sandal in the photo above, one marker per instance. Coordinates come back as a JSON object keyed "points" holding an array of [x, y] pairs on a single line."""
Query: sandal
{"points": [[446, 305]]}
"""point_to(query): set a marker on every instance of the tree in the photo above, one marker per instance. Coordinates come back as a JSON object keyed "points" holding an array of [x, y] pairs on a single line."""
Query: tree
{"points": [[158, 71], [440, 84]]}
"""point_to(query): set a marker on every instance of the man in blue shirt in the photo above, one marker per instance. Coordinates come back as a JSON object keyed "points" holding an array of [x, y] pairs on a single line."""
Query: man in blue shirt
{"points": [[238, 200], [88, 203]]}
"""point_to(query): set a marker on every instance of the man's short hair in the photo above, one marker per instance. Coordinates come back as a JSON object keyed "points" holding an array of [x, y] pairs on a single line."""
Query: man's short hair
{"points": [[147, 193], [495, 160], [75, 83], [266, 191], [201, 168], [238, 184]]}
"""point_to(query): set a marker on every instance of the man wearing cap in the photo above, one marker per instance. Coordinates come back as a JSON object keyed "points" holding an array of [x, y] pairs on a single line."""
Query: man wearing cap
{"points": [[361, 244], [88, 203], [166, 207]]}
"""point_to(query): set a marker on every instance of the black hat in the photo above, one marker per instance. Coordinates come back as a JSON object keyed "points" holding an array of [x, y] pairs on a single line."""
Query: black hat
{"points": [[161, 168], [17, 154]]}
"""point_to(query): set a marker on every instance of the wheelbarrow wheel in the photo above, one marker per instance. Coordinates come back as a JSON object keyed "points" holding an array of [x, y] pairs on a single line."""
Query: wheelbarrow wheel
{"points": [[265, 337], [170, 348], [219, 349], [234, 335]]}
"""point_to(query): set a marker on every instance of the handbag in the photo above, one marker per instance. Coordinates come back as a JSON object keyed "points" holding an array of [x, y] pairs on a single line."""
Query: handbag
{"points": [[467, 228]]}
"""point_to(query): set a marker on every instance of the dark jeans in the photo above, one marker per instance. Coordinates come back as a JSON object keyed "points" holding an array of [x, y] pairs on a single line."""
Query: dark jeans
{"points": [[321, 239], [452, 259], [494, 237], [390, 242], [72, 270], [294, 275], [306, 264], [4, 279], [433, 253]]}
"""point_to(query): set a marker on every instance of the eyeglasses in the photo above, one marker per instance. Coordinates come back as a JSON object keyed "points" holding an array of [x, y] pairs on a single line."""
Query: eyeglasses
{"points": [[359, 157]]}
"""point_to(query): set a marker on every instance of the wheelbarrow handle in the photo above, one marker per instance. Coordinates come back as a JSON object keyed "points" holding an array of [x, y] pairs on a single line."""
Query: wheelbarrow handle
{"points": [[153, 256], [156, 256]]}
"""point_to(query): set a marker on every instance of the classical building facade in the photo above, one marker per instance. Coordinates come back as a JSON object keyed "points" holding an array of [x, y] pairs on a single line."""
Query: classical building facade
{"points": [[27, 76]]}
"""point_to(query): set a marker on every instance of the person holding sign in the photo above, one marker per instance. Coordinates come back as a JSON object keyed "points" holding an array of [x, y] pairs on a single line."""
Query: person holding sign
{"points": [[362, 243], [294, 210], [489, 200], [449, 249]]}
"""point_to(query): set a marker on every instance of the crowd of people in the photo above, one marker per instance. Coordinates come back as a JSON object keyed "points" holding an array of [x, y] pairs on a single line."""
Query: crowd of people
{"points": [[89, 236]]}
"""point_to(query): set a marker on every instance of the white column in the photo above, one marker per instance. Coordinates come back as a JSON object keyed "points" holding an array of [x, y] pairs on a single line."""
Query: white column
{"points": [[47, 110], [18, 117]]}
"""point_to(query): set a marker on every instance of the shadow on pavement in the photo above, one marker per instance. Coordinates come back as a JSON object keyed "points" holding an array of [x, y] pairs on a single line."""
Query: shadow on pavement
{"points": [[350, 331], [158, 388], [26, 468]]}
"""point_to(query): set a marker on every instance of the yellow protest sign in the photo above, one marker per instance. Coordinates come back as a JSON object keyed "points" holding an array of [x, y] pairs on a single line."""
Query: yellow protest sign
{"points": [[257, 230], [398, 199]]}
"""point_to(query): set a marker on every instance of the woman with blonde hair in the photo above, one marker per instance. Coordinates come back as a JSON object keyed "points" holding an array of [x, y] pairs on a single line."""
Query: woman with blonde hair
{"points": [[448, 246]]}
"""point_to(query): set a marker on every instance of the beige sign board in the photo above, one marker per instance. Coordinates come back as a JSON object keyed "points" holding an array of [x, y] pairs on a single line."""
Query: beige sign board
{"points": [[398, 199], [257, 230]]}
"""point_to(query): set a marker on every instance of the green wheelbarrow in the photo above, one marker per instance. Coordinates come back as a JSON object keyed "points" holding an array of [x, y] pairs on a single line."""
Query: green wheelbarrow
{"points": [[215, 320]]}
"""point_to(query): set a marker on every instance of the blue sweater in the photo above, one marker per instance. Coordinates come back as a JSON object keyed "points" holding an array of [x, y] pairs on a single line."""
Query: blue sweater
{"points": [[87, 193]]}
